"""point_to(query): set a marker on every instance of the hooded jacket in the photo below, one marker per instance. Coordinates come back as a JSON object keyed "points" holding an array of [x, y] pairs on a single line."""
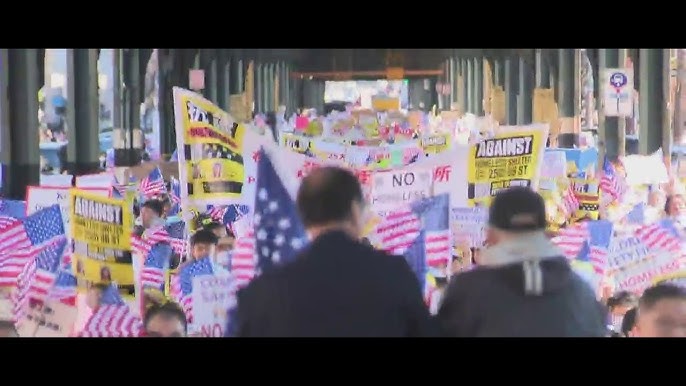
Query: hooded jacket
{"points": [[523, 288]]}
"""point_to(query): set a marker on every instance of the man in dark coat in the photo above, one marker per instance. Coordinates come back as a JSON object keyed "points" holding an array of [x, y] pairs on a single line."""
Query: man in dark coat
{"points": [[338, 286], [524, 286]]}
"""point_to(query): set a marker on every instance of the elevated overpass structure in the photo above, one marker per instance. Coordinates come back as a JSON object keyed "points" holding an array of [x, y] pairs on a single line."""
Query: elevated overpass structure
{"points": [[301, 74]]}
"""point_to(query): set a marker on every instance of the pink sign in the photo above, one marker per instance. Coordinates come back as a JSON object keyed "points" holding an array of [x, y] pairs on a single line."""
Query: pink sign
{"points": [[196, 80], [301, 123]]}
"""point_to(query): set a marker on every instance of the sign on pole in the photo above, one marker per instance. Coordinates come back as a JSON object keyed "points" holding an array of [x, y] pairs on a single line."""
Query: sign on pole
{"points": [[196, 80], [618, 91]]}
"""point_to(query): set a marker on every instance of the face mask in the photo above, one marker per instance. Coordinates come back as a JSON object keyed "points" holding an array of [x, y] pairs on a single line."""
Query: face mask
{"points": [[617, 323], [223, 259]]}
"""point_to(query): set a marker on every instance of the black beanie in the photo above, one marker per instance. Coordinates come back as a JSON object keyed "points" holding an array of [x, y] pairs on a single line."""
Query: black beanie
{"points": [[517, 209]]}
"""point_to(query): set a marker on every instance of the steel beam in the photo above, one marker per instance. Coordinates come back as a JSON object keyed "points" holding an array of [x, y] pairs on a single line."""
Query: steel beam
{"points": [[222, 80], [511, 89], [542, 70], [566, 84], [654, 75], [608, 127], [525, 103], [469, 82], [464, 91], [478, 86], [22, 104]]}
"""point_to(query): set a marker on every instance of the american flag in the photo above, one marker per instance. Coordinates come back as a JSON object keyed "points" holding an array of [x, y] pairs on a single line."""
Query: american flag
{"points": [[22, 242], [398, 230], [38, 276], [155, 266], [118, 189], [13, 208], [595, 248], [571, 239], [279, 234], [569, 200], [658, 236], [153, 184], [151, 237], [611, 182], [228, 214], [243, 259], [65, 288], [182, 283], [175, 197], [112, 318]]}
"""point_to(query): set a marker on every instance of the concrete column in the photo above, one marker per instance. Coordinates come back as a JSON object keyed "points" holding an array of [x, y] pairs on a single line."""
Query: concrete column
{"points": [[464, 92], [511, 89], [259, 87], [499, 73], [469, 83], [211, 91], [83, 150], [542, 70], [452, 77], [525, 103], [268, 95], [654, 75], [20, 138], [565, 83], [478, 90], [222, 80], [116, 88]]}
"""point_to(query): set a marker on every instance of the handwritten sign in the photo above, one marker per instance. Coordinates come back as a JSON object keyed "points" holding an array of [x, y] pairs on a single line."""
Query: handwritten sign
{"points": [[211, 301], [393, 189], [639, 276], [625, 251], [469, 224], [47, 320]]}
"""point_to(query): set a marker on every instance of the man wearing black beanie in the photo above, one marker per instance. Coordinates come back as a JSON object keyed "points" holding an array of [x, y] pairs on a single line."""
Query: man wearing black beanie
{"points": [[524, 286]]}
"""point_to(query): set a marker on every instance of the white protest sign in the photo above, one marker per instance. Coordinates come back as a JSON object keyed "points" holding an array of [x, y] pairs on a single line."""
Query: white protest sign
{"points": [[639, 276], [95, 180], [56, 180], [396, 188], [625, 251], [211, 301], [469, 224], [39, 197], [554, 164], [618, 91]]}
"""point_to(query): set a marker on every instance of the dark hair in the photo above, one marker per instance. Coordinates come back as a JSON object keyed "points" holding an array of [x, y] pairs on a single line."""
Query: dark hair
{"points": [[204, 236], [326, 195], [213, 225], [154, 205], [8, 325], [167, 310], [622, 298], [657, 293], [629, 321]]}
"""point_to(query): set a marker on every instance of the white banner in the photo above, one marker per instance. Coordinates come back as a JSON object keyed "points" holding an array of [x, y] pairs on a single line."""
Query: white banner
{"points": [[211, 302], [397, 188]]}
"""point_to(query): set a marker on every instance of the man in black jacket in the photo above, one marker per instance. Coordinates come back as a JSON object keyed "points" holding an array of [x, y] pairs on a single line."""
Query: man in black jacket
{"points": [[338, 286], [524, 287]]}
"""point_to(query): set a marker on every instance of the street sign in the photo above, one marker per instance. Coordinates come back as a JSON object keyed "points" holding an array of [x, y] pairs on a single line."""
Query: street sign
{"points": [[618, 92]]}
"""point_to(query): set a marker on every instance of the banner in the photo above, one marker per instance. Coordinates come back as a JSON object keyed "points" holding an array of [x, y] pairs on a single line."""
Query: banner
{"points": [[469, 226], [101, 229], [588, 194], [47, 320], [39, 197], [436, 143], [211, 300], [511, 158], [211, 152]]}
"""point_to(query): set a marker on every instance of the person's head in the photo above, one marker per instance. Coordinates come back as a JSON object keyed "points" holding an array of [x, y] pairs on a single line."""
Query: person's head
{"points": [[8, 330], [217, 228], [662, 312], [513, 212], [166, 206], [151, 210], [203, 244], [618, 305], [674, 205], [165, 321], [656, 198], [331, 198], [629, 323], [94, 294]]}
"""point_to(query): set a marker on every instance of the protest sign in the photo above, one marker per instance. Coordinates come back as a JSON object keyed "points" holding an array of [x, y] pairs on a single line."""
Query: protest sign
{"points": [[47, 320], [101, 229], [56, 180], [212, 297], [397, 188], [469, 224], [511, 158]]}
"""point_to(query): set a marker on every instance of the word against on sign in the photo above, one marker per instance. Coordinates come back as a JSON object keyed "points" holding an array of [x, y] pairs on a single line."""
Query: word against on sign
{"points": [[391, 190]]}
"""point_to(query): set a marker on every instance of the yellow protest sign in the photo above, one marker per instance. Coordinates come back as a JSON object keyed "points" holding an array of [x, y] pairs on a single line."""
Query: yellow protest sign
{"points": [[588, 194], [511, 158], [99, 221], [436, 143], [212, 147]]}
